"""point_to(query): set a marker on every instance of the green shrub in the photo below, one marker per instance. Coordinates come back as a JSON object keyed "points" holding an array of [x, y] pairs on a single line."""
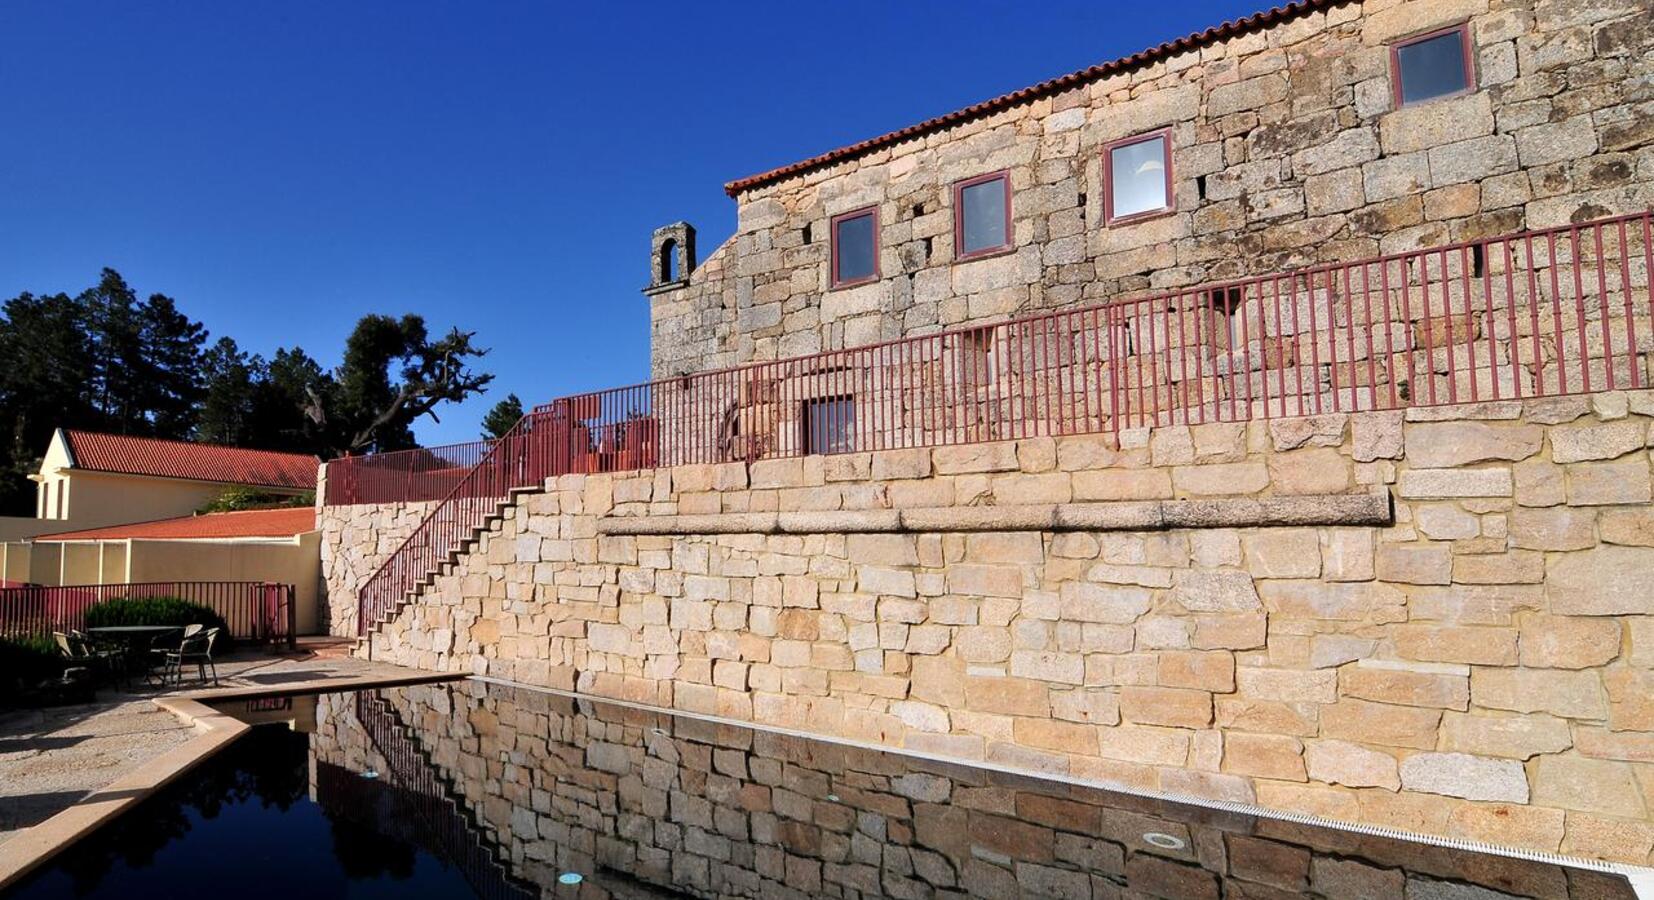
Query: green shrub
{"points": [[27, 661], [237, 499], [174, 611]]}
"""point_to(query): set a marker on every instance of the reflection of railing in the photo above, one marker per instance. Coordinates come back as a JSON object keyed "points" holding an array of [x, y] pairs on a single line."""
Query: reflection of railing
{"points": [[433, 817], [253, 610], [1537, 314]]}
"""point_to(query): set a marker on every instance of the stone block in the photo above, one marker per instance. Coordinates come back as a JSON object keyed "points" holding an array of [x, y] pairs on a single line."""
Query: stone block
{"points": [[1351, 764], [1630, 699], [1588, 785], [1446, 445], [1456, 644], [1347, 554], [1414, 563], [1264, 756], [1589, 441], [1175, 707], [1464, 775], [1569, 642], [1556, 528], [1310, 471], [890, 465], [1633, 527], [1605, 581], [1569, 694], [1220, 479], [1215, 591], [1436, 484], [1201, 670], [1514, 567], [1445, 522], [1428, 126], [1511, 737], [1287, 685], [975, 458], [1004, 695], [1376, 435], [1122, 484], [1508, 824], [1381, 723], [1414, 685], [1283, 553], [1609, 483]]}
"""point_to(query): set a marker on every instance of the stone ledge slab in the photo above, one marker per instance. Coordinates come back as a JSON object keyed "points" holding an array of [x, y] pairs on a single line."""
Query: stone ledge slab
{"points": [[1156, 515]]}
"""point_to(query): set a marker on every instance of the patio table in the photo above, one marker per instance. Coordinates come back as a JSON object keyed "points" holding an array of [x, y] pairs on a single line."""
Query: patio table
{"points": [[132, 636]]}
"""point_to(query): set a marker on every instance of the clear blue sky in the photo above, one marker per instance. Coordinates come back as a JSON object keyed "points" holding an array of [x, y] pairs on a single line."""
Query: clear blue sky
{"points": [[283, 168]]}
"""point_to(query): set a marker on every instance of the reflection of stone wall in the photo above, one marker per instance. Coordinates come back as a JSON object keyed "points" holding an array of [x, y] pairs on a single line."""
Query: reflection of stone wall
{"points": [[717, 811], [1180, 609], [356, 539], [1287, 150]]}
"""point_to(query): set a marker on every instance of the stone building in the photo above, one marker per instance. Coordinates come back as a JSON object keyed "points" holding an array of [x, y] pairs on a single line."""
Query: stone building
{"points": [[1288, 138], [1051, 453]]}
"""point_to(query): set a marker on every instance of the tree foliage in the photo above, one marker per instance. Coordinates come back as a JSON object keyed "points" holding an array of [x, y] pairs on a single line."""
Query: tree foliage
{"points": [[108, 360], [502, 417]]}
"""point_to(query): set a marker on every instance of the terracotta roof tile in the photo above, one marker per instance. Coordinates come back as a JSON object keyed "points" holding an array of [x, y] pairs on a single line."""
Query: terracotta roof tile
{"points": [[251, 523], [1043, 89], [199, 462]]}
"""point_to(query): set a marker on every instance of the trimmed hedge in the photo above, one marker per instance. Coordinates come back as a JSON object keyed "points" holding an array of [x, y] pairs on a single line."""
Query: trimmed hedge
{"points": [[156, 611], [25, 662]]}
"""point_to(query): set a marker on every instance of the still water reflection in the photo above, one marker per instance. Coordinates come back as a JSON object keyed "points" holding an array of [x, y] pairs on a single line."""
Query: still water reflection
{"points": [[471, 789]]}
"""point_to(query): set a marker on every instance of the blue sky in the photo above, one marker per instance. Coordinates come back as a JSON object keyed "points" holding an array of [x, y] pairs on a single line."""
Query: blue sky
{"points": [[283, 168]]}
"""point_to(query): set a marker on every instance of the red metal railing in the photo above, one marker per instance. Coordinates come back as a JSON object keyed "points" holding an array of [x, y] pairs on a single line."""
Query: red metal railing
{"points": [[1543, 313], [402, 476], [253, 610]]}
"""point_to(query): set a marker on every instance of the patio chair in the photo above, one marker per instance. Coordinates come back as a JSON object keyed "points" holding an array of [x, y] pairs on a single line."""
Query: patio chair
{"points": [[195, 649], [81, 652]]}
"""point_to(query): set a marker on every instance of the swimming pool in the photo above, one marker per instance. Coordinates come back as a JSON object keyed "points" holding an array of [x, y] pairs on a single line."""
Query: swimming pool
{"points": [[477, 789]]}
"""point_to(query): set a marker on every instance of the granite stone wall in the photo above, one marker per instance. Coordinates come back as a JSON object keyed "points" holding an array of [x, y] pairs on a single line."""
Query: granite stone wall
{"points": [[1440, 620], [356, 539], [1287, 150]]}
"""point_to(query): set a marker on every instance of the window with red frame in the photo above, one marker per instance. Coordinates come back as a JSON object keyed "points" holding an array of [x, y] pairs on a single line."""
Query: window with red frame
{"points": [[855, 237], [1431, 65], [982, 215], [1137, 177]]}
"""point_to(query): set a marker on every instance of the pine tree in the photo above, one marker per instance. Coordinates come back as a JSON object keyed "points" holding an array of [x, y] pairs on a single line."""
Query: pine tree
{"points": [[502, 417]]}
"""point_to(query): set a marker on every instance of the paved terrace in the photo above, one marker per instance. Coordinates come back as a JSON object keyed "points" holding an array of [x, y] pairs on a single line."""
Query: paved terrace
{"points": [[52, 758]]}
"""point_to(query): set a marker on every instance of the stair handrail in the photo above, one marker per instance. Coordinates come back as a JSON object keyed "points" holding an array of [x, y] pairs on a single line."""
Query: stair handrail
{"points": [[379, 596]]}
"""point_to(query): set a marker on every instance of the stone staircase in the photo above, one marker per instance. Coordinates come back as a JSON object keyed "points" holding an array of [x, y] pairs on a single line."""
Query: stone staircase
{"points": [[517, 463]]}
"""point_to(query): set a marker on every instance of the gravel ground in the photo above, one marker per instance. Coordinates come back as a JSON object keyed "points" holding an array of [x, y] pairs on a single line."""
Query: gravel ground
{"points": [[51, 758]]}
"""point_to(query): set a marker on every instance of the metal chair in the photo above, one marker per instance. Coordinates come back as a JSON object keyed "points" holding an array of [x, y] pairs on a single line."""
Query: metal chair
{"points": [[79, 650], [195, 649]]}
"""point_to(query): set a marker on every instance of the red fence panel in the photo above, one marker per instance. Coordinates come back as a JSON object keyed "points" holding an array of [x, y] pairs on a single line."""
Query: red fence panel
{"points": [[1536, 314], [253, 610]]}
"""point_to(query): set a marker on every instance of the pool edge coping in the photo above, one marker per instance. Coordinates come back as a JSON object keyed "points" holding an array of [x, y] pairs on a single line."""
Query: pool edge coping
{"points": [[37, 844], [1640, 878]]}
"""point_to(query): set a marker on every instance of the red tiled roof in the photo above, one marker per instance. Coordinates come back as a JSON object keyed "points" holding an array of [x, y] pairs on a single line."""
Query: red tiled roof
{"points": [[1043, 89], [198, 462], [251, 523]]}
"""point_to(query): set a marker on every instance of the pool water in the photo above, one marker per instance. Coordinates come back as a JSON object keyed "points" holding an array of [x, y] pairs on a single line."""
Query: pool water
{"points": [[472, 789]]}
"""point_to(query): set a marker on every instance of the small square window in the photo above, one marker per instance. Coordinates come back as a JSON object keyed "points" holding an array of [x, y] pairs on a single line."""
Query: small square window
{"points": [[1138, 177], [855, 247], [982, 215], [1431, 65], [829, 425]]}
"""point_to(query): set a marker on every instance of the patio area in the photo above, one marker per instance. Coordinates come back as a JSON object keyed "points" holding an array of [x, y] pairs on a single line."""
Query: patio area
{"points": [[52, 758]]}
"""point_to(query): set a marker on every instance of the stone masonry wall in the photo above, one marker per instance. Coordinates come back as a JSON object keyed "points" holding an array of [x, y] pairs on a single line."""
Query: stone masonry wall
{"points": [[1286, 149], [356, 539], [1175, 609]]}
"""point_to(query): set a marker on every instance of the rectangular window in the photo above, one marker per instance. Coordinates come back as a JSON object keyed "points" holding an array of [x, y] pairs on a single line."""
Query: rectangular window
{"points": [[982, 215], [829, 425], [1431, 65], [855, 247], [1137, 176]]}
